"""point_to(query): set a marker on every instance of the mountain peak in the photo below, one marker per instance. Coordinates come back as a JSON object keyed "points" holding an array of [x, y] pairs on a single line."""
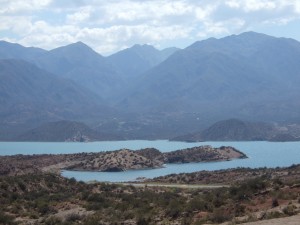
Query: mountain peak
{"points": [[251, 35], [80, 44], [77, 45], [143, 48], [244, 42], [75, 50]]}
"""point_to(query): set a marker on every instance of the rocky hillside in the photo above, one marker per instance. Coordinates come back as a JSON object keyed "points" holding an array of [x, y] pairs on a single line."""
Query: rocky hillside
{"points": [[203, 154], [116, 161], [113, 161]]}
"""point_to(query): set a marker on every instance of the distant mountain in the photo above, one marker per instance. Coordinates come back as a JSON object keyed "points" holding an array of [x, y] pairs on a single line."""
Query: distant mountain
{"points": [[15, 51], [64, 131], [159, 94], [31, 95], [167, 52], [106, 76], [284, 138], [134, 61], [232, 130], [83, 65], [251, 76], [239, 130]]}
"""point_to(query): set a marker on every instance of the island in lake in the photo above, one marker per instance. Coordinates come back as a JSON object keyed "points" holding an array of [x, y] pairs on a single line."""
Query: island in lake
{"points": [[114, 161]]}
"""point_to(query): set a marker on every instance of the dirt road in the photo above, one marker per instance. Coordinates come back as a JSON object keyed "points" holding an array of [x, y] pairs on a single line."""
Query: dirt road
{"points": [[185, 186], [292, 220]]}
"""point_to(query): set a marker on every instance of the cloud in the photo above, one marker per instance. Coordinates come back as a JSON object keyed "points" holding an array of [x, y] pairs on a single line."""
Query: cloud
{"points": [[109, 26], [79, 16], [252, 5], [21, 6]]}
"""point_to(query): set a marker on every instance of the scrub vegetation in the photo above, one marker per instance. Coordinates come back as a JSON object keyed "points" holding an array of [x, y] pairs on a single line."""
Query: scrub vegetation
{"points": [[46, 198]]}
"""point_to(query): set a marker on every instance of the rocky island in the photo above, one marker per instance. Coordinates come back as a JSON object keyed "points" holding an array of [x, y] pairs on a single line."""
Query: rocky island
{"points": [[113, 161]]}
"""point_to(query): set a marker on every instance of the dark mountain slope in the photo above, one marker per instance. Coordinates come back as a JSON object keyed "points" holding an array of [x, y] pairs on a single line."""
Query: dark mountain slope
{"points": [[31, 95], [239, 130], [63, 131], [133, 61], [83, 65], [233, 130], [251, 76]]}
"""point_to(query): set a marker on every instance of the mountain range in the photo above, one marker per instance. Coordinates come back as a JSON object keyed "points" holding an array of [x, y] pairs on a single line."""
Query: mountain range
{"points": [[249, 75], [143, 92], [64, 130]]}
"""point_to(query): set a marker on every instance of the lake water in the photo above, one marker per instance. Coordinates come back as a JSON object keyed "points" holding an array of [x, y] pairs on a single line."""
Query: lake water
{"points": [[261, 154]]}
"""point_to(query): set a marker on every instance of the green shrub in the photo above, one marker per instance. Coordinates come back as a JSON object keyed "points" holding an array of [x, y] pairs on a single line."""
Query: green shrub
{"points": [[220, 215], [53, 221], [6, 219], [273, 215]]}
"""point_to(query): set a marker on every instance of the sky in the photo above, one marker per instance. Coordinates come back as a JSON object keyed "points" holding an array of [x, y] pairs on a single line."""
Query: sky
{"points": [[112, 25]]}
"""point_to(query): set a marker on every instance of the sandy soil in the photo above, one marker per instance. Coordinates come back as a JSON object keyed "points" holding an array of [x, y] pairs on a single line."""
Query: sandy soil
{"points": [[292, 220]]}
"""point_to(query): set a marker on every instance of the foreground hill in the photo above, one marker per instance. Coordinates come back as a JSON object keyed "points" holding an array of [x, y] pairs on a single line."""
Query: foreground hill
{"points": [[61, 131], [242, 195]]}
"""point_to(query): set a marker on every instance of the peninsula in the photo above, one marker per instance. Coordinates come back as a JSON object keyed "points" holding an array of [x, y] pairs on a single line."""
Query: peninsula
{"points": [[113, 161]]}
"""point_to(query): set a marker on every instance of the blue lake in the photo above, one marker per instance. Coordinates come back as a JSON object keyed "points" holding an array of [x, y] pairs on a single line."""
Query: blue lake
{"points": [[261, 154]]}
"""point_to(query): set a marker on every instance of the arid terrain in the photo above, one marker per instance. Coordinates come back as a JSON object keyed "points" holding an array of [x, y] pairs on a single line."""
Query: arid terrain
{"points": [[32, 192], [119, 160], [46, 198]]}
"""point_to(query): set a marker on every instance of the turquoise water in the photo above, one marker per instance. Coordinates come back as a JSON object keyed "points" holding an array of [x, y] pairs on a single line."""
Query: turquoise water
{"points": [[261, 154]]}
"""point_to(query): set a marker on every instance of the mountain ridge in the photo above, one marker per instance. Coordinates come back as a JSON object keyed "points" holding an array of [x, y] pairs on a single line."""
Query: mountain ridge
{"points": [[137, 59], [64, 131], [199, 78], [251, 76], [30, 94]]}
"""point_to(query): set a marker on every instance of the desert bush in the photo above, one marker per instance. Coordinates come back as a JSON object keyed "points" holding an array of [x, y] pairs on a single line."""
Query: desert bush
{"points": [[142, 221], [53, 221], [73, 217], [174, 209], [6, 219], [273, 215], [289, 210], [275, 202], [198, 204], [220, 215], [239, 209], [245, 190]]}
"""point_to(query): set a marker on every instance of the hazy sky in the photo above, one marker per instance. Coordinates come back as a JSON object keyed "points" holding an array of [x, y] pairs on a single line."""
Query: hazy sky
{"points": [[111, 25]]}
